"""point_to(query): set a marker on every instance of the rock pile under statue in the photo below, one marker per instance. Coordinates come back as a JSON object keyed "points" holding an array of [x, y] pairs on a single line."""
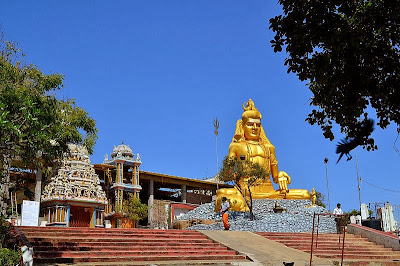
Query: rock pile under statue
{"points": [[296, 217]]}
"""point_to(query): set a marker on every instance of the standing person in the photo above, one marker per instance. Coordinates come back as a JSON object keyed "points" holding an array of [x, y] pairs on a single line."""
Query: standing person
{"points": [[224, 211], [338, 220]]}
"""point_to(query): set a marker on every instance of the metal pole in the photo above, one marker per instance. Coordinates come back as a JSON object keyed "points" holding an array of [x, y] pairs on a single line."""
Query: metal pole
{"points": [[316, 240], [216, 151], [344, 235], [327, 184], [358, 178], [216, 126], [312, 238]]}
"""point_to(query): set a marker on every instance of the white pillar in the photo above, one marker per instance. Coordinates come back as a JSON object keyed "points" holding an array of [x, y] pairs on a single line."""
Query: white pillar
{"points": [[38, 186], [137, 175], [150, 202]]}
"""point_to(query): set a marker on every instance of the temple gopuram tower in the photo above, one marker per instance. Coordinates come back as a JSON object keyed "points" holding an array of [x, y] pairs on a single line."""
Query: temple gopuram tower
{"points": [[74, 196], [121, 182]]}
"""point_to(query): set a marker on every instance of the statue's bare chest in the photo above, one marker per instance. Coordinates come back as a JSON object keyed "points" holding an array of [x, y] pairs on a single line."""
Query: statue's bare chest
{"points": [[253, 152], [256, 150]]}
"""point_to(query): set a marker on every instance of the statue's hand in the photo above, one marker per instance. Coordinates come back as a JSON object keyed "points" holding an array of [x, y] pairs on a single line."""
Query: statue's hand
{"points": [[284, 174], [283, 180]]}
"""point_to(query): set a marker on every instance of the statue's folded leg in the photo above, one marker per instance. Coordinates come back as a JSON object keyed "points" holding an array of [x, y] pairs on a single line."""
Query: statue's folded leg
{"points": [[298, 194]]}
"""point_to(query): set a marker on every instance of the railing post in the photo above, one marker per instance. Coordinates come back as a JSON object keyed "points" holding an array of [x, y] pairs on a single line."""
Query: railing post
{"points": [[344, 234], [312, 238]]}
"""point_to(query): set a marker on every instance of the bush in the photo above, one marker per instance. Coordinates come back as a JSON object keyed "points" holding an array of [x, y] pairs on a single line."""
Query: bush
{"points": [[9, 257]]}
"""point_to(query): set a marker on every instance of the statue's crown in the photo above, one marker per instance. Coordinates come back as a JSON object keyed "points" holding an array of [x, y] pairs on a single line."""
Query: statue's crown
{"points": [[250, 111], [249, 106]]}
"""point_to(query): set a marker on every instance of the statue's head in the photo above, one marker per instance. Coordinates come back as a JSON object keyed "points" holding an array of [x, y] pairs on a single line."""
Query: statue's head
{"points": [[251, 121], [249, 127]]}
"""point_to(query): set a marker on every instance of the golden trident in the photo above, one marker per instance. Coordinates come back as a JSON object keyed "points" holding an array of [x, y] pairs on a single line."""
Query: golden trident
{"points": [[216, 126]]}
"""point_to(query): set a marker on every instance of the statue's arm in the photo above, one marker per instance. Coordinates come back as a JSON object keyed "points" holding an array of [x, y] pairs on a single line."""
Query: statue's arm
{"points": [[274, 164], [233, 150], [281, 178]]}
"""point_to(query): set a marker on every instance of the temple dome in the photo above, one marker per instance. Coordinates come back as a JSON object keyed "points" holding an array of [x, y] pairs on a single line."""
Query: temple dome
{"points": [[122, 150], [75, 180]]}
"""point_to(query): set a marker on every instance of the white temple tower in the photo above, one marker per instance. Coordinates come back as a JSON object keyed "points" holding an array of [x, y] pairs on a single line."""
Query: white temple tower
{"points": [[74, 196]]}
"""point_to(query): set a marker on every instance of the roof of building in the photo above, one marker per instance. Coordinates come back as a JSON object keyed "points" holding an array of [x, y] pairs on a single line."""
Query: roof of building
{"points": [[182, 180]]}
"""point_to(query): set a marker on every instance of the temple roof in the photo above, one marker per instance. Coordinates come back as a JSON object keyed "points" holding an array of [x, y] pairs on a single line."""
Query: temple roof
{"points": [[123, 153], [122, 150], [75, 180]]}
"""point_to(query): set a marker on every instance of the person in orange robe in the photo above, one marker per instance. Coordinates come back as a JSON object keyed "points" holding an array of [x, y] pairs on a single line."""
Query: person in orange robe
{"points": [[224, 211]]}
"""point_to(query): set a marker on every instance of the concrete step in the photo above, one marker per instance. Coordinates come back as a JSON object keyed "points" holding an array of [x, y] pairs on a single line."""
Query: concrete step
{"points": [[66, 230], [149, 244], [90, 254], [347, 248], [306, 234], [126, 240], [99, 235], [138, 248], [100, 232], [327, 238], [352, 252], [308, 244], [142, 258], [355, 256]]}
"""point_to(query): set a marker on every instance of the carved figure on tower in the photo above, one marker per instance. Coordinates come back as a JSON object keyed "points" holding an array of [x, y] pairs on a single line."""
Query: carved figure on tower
{"points": [[251, 143]]}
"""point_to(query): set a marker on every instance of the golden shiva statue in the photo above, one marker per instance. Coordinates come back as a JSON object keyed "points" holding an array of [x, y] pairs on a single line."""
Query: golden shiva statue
{"points": [[251, 143]]}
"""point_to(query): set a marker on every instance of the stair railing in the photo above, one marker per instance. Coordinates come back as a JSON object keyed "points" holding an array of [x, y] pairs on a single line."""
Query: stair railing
{"points": [[342, 229]]}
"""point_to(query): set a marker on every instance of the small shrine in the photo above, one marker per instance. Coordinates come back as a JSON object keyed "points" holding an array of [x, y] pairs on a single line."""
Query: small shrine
{"points": [[74, 196], [120, 182]]}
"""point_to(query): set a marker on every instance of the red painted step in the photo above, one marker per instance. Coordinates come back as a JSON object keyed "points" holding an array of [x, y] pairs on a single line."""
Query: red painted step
{"points": [[79, 245], [356, 248], [148, 259]]}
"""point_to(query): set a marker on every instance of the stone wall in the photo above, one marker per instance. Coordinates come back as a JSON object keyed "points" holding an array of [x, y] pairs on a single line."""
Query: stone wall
{"points": [[378, 237]]}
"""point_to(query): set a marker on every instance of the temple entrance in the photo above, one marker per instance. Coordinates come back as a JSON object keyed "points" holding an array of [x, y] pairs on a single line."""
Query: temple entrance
{"points": [[80, 216]]}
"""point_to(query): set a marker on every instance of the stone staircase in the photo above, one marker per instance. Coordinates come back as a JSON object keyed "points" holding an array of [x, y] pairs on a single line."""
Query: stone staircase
{"points": [[356, 249], [57, 245]]}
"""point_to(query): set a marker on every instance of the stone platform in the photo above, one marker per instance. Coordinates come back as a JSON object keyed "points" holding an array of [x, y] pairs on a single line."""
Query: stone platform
{"points": [[296, 218]]}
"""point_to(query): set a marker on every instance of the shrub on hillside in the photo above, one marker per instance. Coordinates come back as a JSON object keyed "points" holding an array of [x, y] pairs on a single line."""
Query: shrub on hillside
{"points": [[9, 257]]}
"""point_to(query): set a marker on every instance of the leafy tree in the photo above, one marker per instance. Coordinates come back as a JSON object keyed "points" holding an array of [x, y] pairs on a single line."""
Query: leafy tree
{"points": [[243, 174], [9, 257], [349, 53], [355, 212], [134, 208], [35, 126], [320, 199], [8, 242]]}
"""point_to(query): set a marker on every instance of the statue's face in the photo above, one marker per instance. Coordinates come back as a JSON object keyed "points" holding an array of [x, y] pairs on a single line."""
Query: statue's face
{"points": [[252, 129]]}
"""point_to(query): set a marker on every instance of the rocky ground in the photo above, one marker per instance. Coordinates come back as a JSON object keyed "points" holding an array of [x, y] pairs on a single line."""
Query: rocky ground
{"points": [[297, 217]]}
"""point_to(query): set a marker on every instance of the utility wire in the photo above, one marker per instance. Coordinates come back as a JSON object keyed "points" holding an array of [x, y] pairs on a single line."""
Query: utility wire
{"points": [[394, 144], [391, 190]]}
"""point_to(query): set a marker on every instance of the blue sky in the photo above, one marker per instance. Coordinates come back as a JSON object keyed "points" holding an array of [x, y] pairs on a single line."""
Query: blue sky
{"points": [[154, 74]]}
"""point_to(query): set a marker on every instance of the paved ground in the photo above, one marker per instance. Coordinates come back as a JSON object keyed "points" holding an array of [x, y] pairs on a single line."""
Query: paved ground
{"points": [[262, 251]]}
